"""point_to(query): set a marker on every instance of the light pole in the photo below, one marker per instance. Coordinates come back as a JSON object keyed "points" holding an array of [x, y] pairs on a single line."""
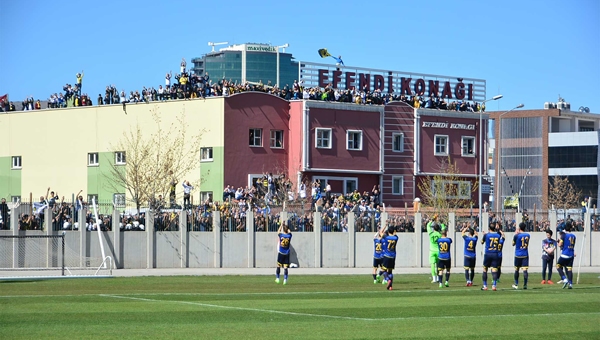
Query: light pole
{"points": [[481, 157], [499, 150], [284, 46]]}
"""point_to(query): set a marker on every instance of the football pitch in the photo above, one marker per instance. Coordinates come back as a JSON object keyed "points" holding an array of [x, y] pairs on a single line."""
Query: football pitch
{"points": [[309, 307]]}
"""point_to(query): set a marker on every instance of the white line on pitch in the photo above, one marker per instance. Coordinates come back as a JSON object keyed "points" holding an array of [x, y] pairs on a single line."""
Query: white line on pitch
{"points": [[239, 308], [379, 291], [340, 317]]}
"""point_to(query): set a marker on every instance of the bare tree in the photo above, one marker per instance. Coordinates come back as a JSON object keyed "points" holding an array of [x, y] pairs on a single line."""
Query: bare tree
{"points": [[446, 191], [156, 157], [562, 194]]}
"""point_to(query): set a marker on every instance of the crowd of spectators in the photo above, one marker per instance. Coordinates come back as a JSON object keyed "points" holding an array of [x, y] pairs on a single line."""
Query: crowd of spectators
{"points": [[188, 85]]}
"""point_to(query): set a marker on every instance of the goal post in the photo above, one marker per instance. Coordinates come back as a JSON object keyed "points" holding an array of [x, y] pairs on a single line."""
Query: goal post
{"points": [[47, 256], [33, 252]]}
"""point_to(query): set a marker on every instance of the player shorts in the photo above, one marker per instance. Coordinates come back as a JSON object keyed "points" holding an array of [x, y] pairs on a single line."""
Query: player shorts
{"points": [[377, 262], [283, 260], [444, 264], [565, 262], [433, 257], [522, 262], [490, 260], [470, 262], [389, 263]]}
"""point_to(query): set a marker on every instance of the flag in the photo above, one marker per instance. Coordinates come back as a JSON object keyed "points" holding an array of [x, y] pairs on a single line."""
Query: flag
{"points": [[323, 53], [512, 201], [3, 98], [339, 60]]}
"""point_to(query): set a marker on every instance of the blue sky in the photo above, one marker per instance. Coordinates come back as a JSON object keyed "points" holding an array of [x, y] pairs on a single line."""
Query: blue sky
{"points": [[529, 51]]}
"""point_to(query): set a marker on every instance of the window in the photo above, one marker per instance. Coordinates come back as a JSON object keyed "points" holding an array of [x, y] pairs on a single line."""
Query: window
{"points": [[119, 200], [93, 159], [206, 154], [452, 189], [120, 157], [15, 199], [91, 197], [323, 140], [398, 185], [441, 145], [255, 137], [206, 195], [468, 146], [277, 139], [354, 139], [16, 162], [398, 142], [351, 185]]}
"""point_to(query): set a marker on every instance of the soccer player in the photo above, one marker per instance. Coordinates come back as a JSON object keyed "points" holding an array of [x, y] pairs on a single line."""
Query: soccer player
{"points": [[433, 229], [388, 245], [445, 260], [500, 247], [470, 255], [377, 258], [490, 259], [283, 255], [521, 244], [567, 254], [548, 248]]}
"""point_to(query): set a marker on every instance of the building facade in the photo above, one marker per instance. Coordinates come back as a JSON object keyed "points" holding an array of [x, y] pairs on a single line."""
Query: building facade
{"points": [[250, 62], [532, 146], [348, 146]]}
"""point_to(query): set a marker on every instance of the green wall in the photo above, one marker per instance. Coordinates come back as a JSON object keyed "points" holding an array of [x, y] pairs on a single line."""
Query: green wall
{"points": [[10, 180], [98, 183], [212, 174]]}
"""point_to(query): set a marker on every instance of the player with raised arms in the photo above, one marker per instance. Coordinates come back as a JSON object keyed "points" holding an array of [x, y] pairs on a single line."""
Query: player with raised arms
{"points": [[491, 241], [389, 241], [470, 255], [567, 255], [283, 254], [521, 244], [445, 261], [433, 230]]}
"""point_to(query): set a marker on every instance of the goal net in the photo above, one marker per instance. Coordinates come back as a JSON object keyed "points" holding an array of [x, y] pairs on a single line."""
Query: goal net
{"points": [[47, 256]]}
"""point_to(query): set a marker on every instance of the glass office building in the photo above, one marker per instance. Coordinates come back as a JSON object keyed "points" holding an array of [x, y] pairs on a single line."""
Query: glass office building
{"points": [[248, 62]]}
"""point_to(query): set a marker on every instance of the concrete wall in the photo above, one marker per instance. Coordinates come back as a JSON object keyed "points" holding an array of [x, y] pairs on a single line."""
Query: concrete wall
{"points": [[177, 249]]}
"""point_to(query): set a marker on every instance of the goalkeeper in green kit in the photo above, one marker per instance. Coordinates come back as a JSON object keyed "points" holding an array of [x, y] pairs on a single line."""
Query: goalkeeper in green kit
{"points": [[433, 230]]}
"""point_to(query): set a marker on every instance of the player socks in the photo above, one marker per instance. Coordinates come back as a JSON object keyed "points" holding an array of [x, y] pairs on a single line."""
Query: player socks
{"points": [[285, 274], [495, 276], [472, 274], [525, 277], [277, 271], [447, 277], [561, 273], [484, 277], [516, 277], [375, 277], [570, 275], [440, 274], [467, 275], [390, 280], [434, 271]]}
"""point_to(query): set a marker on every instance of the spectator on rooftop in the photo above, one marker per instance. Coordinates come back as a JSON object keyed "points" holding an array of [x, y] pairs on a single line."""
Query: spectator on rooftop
{"points": [[79, 77]]}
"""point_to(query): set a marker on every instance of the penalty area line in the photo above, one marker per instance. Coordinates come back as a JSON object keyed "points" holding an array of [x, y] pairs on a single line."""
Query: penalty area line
{"points": [[239, 308], [406, 318]]}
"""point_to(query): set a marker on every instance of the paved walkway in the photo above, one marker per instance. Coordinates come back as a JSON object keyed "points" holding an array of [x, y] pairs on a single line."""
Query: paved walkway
{"points": [[257, 271]]}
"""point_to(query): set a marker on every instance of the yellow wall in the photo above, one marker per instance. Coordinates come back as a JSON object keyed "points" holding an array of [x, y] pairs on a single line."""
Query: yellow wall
{"points": [[54, 143]]}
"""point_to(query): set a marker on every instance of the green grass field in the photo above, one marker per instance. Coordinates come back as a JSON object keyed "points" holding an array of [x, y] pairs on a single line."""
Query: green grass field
{"points": [[309, 307]]}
